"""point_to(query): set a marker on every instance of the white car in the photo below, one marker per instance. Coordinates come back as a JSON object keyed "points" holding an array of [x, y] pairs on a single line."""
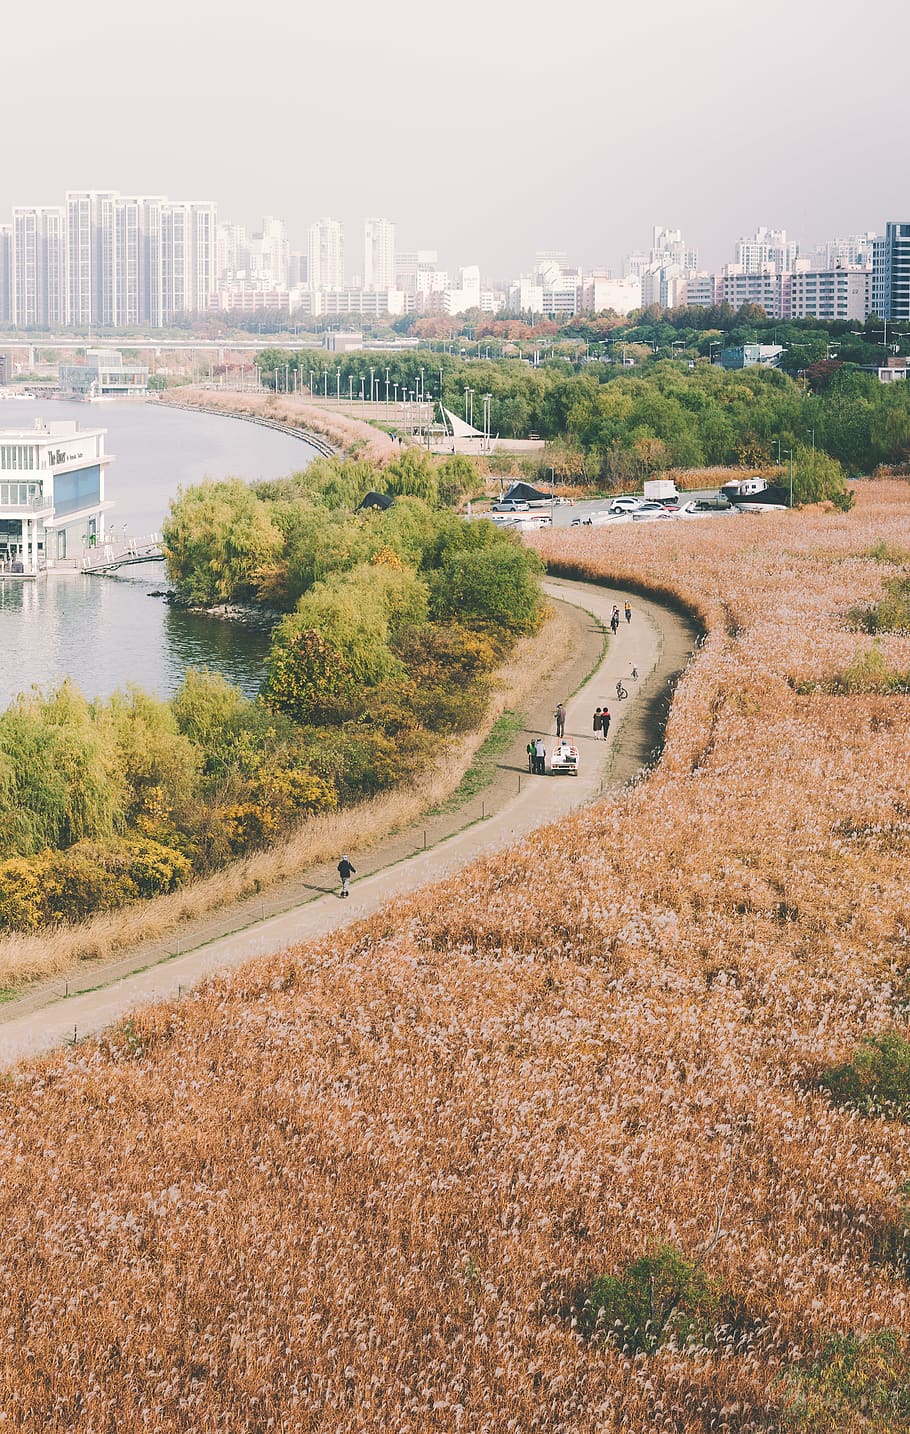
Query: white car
{"points": [[626, 505], [511, 505]]}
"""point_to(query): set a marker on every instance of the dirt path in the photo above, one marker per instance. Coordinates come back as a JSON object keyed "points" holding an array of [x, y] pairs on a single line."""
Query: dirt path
{"points": [[657, 643]]}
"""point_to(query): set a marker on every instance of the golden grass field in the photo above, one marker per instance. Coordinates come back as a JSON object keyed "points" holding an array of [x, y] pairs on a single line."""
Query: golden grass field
{"points": [[358, 1186]]}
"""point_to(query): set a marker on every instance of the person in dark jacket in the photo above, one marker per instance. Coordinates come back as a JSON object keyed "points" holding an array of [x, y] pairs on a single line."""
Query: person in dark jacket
{"points": [[605, 722], [346, 871], [598, 721], [560, 716]]}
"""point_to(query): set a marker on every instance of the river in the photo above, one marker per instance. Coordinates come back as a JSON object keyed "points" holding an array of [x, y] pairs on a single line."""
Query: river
{"points": [[104, 632]]}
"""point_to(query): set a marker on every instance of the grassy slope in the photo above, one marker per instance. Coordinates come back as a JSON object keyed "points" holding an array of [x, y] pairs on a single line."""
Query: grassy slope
{"points": [[362, 1181]]}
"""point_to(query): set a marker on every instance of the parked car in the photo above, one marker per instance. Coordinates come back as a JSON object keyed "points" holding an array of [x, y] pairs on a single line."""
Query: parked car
{"points": [[625, 505], [511, 505]]}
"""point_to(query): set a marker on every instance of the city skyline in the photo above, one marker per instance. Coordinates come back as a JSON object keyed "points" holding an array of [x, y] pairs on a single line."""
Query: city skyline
{"points": [[102, 259], [470, 130]]}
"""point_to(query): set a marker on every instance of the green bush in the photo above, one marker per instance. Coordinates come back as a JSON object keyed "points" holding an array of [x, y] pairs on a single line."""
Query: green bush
{"points": [[662, 1297], [859, 1382], [497, 586], [877, 1077], [890, 614]]}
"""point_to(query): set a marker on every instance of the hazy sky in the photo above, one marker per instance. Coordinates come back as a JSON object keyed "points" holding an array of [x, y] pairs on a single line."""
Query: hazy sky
{"points": [[487, 128]]}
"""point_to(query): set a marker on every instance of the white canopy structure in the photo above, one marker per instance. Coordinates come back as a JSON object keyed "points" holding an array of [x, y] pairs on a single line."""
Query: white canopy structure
{"points": [[460, 429]]}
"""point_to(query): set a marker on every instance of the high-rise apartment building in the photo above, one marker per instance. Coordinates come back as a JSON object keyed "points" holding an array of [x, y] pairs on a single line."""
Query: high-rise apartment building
{"points": [[232, 256], [269, 254], [854, 249], [186, 247], [38, 267], [891, 273], [6, 244], [104, 259], [767, 246], [378, 254], [325, 255], [839, 293]]}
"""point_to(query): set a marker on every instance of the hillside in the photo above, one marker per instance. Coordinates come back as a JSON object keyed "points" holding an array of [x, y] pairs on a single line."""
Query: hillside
{"points": [[370, 1184]]}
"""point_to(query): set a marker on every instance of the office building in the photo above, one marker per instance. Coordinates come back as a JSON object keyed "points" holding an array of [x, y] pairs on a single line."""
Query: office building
{"points": [[325, 255], [378, 254], [104, 375], [52, 502], [891, 273]]}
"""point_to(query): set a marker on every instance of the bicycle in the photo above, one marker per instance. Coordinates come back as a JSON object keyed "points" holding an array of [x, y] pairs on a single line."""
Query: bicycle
{"points": [[620, 691]]}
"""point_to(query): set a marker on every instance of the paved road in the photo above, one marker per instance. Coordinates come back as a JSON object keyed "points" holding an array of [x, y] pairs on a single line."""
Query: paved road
{"points": [[657, 642]]}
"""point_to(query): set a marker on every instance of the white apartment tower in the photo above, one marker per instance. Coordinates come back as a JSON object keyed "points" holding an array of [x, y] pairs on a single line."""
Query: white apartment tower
{"points": [[37, 267], [270, 254], [378, 254], [6, 244], [186, 248], [325, 255], [767, 246]]}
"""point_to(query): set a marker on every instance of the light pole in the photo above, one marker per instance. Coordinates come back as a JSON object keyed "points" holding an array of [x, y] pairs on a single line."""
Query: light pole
{"points": [[487, 400], [789, 453], [372, 392]]}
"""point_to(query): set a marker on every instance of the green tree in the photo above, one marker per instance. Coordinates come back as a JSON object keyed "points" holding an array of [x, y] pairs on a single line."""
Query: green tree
{"points": [[497, 585], [413, 474], [218, 540]]}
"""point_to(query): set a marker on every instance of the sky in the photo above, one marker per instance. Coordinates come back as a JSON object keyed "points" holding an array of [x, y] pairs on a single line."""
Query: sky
{"points": [[488, 129]]}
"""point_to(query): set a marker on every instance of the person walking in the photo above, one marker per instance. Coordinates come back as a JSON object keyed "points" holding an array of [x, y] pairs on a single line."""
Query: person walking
{"points": [[560, 715], [628, 611], [345, 871], [605, 722], [532, 752], [540, 755], [598, 721], [614, 620]]}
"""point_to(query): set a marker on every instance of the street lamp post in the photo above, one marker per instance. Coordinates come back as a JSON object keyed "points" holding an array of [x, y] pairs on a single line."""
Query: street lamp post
{"points": [[789, 453]]}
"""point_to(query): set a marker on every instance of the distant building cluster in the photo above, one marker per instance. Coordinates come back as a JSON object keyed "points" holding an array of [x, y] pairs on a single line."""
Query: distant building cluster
{"points": [[106, 260]]}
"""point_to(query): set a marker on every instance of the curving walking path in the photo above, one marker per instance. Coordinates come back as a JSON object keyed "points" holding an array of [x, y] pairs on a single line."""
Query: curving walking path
{"points": [[657, 642]]}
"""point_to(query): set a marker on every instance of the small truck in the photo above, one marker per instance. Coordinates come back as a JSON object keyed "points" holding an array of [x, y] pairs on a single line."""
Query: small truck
{"points": [[564, 757], [661, 490]]}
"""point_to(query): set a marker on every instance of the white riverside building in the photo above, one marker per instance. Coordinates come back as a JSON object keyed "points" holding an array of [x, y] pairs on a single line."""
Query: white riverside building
{"points": [[52, 502]]}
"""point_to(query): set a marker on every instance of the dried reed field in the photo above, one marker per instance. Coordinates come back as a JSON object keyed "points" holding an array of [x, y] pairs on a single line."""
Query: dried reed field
{"points": [[370, 1184]]}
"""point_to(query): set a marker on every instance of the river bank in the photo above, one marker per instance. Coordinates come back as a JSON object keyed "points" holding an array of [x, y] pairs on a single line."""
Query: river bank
{"points": [[289, 414]]}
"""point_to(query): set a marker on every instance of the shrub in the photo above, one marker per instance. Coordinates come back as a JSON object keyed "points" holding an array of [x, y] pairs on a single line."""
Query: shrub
{"points": [[156, 868], [497, 585], [857, 1382], [877, 1077], [308, 679], [890, 614], [662, 1297]]}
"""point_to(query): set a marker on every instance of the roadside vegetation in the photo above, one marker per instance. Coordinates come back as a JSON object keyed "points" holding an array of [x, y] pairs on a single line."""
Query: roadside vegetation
{"points": [[395, 622], [549, 1144], [610, 426]]}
